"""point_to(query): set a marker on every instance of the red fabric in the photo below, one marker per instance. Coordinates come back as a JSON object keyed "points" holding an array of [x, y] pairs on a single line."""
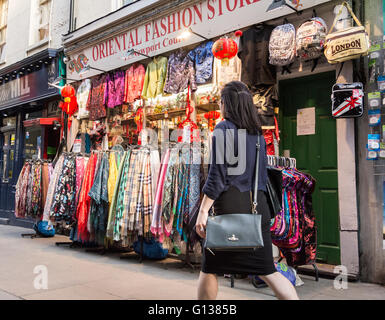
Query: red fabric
{"points": [[84, 199], [270, 149], [134, 81]]}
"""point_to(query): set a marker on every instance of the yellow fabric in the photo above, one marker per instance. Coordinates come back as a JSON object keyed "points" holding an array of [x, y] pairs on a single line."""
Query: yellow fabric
{"points": [[113, 174], [155, 77]]}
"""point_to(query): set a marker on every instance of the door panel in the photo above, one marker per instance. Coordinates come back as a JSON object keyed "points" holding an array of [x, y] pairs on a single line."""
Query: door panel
{"points": [[316, 154]]}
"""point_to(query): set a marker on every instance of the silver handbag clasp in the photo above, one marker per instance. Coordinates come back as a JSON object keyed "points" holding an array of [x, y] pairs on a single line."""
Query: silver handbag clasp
{"points": [[233, 238]]}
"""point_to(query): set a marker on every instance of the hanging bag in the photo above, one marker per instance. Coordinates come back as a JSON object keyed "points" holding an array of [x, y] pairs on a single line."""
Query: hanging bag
{"points": [[282, 45], [311, 37], [236, 232], [347, 44]]}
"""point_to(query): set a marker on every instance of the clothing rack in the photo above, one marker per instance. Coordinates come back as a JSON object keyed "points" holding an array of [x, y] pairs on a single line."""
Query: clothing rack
{"points": [[276, 161]]}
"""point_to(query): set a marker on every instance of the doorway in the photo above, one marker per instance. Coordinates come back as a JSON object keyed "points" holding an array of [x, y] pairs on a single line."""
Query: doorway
{"points": [[316, 153]]}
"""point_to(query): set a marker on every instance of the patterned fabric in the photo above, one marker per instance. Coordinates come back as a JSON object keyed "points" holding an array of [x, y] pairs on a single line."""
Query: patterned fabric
{"points": [[134, 83], [52, 187], [82, 95], [117, 200], [114, 93], [28, 210], [129, 190], [155, 77], [80, 166], [168, 188], [99, 200], [21, 191], [96, 99], [112, 176], [156, 225], [293, 229], [84, 199], [63, 205], [44, 184], [180, 73], [203, 59]]}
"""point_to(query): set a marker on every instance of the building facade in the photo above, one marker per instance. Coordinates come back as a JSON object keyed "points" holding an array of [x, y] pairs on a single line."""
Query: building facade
{"points": [[31, 57], [153, 28]]}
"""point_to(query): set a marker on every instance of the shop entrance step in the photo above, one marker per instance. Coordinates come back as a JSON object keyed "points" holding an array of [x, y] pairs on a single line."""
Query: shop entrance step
{"points": [[4, 221]]}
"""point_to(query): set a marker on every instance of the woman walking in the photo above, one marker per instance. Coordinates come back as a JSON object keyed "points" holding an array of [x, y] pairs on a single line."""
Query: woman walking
{"points": [[228, 188]]}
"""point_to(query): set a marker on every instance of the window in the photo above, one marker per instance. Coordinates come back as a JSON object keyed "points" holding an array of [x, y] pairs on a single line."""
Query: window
{"points": [[117, 4], [44, 15], [3, 25]]}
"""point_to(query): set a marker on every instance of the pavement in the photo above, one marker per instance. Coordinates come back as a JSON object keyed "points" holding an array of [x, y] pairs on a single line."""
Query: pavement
{"points": [[74, 274]]}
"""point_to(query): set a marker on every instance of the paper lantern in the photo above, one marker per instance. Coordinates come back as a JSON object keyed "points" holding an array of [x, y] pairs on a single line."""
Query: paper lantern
{"points": [[211, 116], [70, 105], [225, 49], [68, 91]]}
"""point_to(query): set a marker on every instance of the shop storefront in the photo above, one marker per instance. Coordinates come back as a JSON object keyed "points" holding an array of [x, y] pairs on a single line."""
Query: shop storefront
{"points": [[29, 113], [299, 95]]}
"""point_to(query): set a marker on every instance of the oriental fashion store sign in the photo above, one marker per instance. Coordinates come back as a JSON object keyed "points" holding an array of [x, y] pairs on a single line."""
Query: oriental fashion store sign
{"points": [[209, 18]]}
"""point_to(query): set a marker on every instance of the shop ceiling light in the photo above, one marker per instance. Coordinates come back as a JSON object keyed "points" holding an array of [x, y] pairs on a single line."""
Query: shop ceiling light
{"points": [[188, 32], [279, 4], [86, 69], [130, 52]]}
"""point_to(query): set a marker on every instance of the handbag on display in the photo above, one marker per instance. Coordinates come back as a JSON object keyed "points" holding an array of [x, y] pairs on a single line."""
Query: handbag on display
{"points": [[236, 231], [274, 190], [347, 100], [347, 44]]}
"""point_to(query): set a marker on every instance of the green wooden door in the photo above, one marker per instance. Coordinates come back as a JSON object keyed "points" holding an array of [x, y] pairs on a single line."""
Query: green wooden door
{"points": [[316, 154]]}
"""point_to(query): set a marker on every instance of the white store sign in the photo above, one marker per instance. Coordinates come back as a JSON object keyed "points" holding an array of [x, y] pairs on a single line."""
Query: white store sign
{"points": [[210, 18]]}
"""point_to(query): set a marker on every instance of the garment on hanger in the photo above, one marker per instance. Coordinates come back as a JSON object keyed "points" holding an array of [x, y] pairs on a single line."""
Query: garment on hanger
{"points": [[52, 187], [97, 98], [254, 54], [266, 101], [180, 73], [293, 229], [82, 95], [155, 77], [203, 58], [99, 201], [114, 92], [134, 82], [63, 204], [84, 199]]}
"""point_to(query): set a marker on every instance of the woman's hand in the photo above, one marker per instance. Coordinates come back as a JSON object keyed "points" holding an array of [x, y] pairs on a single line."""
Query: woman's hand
{"points": [[200, 226]]}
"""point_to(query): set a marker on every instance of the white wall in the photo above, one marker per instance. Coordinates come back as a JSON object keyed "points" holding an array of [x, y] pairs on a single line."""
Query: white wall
{"points": [[21, 19], [86, 11]]}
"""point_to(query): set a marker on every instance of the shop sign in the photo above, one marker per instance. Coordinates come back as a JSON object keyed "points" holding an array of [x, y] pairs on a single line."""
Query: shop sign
{"points": [[210, 18], [28, 88]]}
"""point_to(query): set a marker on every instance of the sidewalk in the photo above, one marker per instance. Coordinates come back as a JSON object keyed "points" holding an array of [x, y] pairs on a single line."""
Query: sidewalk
{"points": [[76, 274]]}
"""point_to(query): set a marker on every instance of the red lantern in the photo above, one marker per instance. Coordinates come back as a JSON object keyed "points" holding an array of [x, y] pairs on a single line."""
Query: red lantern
{"points": [[225, 49], [68, 91], [70, 105], [211, 116]]}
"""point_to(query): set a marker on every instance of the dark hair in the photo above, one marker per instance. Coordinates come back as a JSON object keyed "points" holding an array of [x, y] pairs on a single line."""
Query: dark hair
{"points": [[239, 107]]}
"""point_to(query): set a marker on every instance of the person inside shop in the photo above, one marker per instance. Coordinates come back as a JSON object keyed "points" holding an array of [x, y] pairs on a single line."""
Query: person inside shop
{"points": [[230, 193]]}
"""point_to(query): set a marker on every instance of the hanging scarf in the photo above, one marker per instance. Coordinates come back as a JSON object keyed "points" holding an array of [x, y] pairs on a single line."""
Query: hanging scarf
{"points": [[157, 225]]}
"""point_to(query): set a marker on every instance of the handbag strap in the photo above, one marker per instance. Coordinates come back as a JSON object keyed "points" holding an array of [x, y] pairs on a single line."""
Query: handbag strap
{"points": [[345, 4], [255, 200]]}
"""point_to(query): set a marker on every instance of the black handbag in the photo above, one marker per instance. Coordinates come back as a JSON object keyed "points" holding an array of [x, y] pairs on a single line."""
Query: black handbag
{"points": [[237, 231]]}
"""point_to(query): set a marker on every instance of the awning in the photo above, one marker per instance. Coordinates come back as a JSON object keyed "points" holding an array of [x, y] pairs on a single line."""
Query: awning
{"points": [[40, 122]]}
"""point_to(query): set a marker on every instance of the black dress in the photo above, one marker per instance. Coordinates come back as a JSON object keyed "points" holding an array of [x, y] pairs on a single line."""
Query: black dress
{"points": [[258, 262], [231, 193]]}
